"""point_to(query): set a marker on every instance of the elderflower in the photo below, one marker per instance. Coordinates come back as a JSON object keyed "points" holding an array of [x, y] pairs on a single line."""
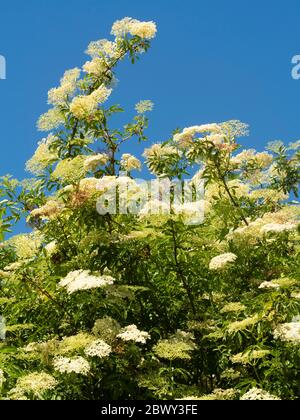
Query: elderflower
{"points": [[258, 394], [77, 365], [234, 128], [263, 159], [186, 137], [221, 261], [132, 333], [249, 356], [127, 25], [144, 106], [42, 157], [84, 106], [83, 280], [98, 348], [289, 332], [17, 394], [91, 162], [36, 382], [159, 150], [129, 162], [145, 30], [101, 48], [170, 350], [50, 120], [49, 210], [230, 374], [96, 67], [268, 195], [121, 27], [268, 285], [242, 325], [220, 394], [74, 343], [177, 346], [51, 248], [233, 307], [26, 245], [70, 169], [252, 233], [60, 95], [13, 266], [277, 283], [278, 227]]}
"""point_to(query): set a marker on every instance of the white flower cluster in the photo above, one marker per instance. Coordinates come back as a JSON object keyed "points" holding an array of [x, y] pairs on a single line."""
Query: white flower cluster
{"points": [[145, 30], [158, 150], [98, 348], [36, 382], [49, 210], [258, 394], [102, 48], [144, 106], [71, 365], [51, 248], [85, 106], [278, 227], [95, 67], [261, 160], [132, 333], [43, 156], [129, 162], [61, 94], [211, 132], [91, 162], [269, 285], [253, 232], [83, 280], [221, 261], [289, 332], [50, 120], [283, 282]]}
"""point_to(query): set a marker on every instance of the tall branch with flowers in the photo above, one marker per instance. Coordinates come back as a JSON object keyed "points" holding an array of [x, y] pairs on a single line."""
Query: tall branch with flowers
{"points": [[147, 304]]}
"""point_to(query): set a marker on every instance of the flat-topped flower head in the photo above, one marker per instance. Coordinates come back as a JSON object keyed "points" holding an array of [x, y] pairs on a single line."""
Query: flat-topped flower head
{"points": [[51, 119], [85, 106], [43, 156], [144, 106], [132, 333], [68, 365], [127, 25], [103, 48], [36, 382], [91, 162], [222, 261], [98, 348], [130, 162], [68, 84], [84, 280], [289, 332], [278, 227]]}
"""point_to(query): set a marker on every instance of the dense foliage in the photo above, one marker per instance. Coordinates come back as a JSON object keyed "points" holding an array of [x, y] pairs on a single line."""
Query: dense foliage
{"points": [[147, 302]]}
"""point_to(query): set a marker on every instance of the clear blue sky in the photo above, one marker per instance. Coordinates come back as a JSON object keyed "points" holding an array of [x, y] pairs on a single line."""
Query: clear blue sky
{"points": [[211, 61]]}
